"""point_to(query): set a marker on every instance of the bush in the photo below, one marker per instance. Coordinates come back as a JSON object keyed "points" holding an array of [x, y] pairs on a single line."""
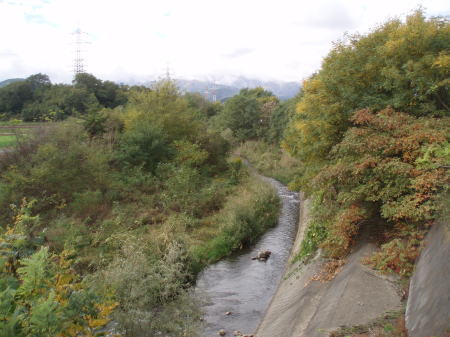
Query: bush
{"points": [[143, 145], [63, 165], [151, 289], [88, 204], [40, 294]]}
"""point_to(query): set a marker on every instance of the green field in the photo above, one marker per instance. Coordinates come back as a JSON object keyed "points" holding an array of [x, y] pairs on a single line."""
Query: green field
{"points": [[9, 132], [7, 141]]}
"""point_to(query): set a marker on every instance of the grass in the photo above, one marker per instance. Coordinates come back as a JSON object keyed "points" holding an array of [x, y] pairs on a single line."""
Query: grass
{"points": [[7, 141], [248, 213], [269, 160]]}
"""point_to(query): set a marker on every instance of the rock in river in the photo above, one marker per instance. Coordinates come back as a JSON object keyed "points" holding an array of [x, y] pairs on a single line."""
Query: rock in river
{"points": [[262, 255]]}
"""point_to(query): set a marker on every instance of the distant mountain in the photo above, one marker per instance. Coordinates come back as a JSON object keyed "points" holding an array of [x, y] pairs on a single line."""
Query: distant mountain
{"points": [[9, 81], [284, 90]]}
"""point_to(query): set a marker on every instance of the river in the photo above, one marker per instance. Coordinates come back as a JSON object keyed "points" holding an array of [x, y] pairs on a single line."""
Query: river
{"points": [[242, 286]]}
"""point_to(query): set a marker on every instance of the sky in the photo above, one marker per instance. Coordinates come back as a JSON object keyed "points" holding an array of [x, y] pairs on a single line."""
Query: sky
{"points": [[137, 40]]}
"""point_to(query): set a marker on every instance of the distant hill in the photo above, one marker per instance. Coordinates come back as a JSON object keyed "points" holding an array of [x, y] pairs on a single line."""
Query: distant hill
{"points": [[9, 81], [284, 90]]}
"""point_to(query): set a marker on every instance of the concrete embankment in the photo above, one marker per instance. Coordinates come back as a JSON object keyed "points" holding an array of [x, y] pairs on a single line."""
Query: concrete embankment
{"points": [[428, 308], [302, 307]]}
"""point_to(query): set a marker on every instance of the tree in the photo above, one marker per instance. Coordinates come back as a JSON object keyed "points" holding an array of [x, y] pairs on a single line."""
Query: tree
{"points": [[110, 95], [143, 145], [248, 114], [198, 103], [167, 110], [241, 114], [279, 119], [107, 93], [88, 82], [14, 96], [39, 81], [402, 65], [376, 106]]}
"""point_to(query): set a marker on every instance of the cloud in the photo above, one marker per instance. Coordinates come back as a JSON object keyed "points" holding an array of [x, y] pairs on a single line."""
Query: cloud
{"points": [[238, 53], [35, 18], [137, 38], [332, 16]]}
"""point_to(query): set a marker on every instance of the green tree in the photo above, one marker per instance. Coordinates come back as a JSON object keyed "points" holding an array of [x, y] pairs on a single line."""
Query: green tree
{"points": [[143, 145], [14, 96], [248, 114], [399, 64], [241, 114], [107, 93], [95, 123]]}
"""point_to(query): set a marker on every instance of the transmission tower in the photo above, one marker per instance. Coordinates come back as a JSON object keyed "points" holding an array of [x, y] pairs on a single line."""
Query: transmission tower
{"points": [[78, 61], [168, 78], [212, 90]]}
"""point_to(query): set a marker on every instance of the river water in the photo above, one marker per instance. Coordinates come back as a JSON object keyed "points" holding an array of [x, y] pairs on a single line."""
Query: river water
{"points": [[244, 286]]}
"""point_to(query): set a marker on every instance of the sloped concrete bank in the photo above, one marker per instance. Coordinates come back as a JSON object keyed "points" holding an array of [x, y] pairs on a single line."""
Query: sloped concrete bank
{"points": [[428, 308], [302, 307]]}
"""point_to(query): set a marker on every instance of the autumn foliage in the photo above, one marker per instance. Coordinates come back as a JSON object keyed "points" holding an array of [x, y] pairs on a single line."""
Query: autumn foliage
{"points": [[40, 293], [372, 133]]}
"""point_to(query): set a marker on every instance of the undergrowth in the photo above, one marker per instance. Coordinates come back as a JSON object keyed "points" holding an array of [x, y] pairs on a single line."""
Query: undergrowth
{"points": [[270, 160], [399, 253]]}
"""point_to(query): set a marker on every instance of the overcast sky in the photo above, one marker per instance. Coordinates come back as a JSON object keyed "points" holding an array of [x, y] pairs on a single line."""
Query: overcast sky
{"points": [[137, 39]]}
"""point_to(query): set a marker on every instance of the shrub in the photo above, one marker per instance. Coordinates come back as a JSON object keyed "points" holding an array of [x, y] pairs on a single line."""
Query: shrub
{"points": [[40, 294], [87, 203], [143, 145], [151, 289], [342, 233], [63, 165], [399, 253], [384, 167]]}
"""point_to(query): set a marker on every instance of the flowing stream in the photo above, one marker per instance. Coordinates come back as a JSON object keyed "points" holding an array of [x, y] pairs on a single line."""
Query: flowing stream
{"points": [[244, 286]]}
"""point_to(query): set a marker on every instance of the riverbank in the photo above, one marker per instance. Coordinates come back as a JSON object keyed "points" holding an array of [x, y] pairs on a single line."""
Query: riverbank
{"points": [[243, 287], [307, 304]]}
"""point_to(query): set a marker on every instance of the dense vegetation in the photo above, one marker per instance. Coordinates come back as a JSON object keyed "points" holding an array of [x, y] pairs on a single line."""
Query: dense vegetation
{"points": [[111, 213], [117, 211], [371, 132], [37, 99]]}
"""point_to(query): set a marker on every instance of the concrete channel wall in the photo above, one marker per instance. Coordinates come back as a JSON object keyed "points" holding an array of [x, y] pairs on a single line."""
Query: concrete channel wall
{"points": [[428, 308], [302, 307]]}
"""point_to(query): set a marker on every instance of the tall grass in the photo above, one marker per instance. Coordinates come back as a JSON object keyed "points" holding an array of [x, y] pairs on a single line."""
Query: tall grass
{"points": [[247, 214]]}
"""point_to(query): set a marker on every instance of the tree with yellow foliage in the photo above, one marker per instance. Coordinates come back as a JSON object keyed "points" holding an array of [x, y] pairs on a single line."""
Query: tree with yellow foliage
{"points": [[371, 132]]}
